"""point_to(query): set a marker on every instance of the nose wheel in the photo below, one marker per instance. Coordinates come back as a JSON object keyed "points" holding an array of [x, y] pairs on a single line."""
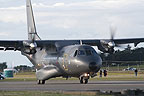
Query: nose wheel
{"points": [[84, 80]]}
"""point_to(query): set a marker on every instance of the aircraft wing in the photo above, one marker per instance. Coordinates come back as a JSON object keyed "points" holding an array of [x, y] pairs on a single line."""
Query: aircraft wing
{"points": [[96, 42], [18, 44], [107, 45], [10, 45], [124, 41]]}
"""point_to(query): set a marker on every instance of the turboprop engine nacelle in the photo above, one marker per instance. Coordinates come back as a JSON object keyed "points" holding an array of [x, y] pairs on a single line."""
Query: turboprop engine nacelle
{"points": [[107, 46], [29, 47]]}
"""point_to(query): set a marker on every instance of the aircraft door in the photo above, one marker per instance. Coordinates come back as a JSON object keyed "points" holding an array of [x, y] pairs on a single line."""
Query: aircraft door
{"points": [[65, 62]]}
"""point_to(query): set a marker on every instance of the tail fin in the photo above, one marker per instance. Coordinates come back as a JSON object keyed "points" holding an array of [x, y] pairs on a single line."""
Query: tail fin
{"points": [[32, 34]]}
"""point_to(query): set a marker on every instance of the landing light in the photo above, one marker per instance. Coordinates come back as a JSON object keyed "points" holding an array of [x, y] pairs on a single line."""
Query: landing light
{"points": [[39, 64], [86, 74]]}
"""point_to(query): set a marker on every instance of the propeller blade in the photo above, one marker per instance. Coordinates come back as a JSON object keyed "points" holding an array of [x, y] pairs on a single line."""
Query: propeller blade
{"points": [[112, 32]]}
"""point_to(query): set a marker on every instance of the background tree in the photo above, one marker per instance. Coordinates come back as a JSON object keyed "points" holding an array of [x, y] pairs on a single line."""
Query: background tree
{"points": [[3, 66], [125, 57]]}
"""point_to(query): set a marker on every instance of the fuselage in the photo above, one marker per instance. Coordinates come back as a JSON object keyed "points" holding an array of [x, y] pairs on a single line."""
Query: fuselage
{"points": [[79, 59], [69, 61]]}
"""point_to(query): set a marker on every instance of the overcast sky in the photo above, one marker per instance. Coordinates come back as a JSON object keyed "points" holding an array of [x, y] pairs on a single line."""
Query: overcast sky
{"points": [[70, 19]]}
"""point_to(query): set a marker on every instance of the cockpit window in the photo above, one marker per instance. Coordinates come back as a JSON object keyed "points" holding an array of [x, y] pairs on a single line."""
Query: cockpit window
{"points": [[84, 52], [81, 52], [75, 54], [88, 52]]}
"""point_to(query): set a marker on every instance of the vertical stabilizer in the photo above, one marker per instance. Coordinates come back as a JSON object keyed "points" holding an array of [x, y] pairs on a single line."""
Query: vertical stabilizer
{"points": [[32, 34]]}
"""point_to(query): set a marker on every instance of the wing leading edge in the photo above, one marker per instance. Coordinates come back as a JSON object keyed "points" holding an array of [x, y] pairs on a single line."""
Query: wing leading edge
{"points": [[136, 41], [96, 42], [10, 45]]}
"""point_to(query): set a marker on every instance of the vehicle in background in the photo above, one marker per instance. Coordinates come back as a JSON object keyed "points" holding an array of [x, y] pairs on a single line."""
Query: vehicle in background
{"points": [[2, 76], [129, 69]]}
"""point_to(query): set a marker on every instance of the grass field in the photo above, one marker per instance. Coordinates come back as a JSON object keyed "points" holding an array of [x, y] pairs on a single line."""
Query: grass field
{"points": [[112, 75], [122, 75], [45, 93]]}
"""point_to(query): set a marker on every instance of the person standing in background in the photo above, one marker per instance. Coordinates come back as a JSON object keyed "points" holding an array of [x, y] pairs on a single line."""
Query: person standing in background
{"points": [[136, 71], [105, 73], [100, 73]]}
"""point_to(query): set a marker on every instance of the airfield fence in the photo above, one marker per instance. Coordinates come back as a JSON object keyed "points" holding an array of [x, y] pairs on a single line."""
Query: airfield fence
{"points": [[122, 65]]}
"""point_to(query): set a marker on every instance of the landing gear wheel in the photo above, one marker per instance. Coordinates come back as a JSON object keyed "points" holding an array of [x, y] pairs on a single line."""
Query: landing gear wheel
{"points": [[81, 80], [43, 81], [39, 82], [86, 81]]}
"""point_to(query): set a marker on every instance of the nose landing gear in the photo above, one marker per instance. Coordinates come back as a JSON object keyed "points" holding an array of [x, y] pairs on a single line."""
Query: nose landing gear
{"points": [[84, 78]]}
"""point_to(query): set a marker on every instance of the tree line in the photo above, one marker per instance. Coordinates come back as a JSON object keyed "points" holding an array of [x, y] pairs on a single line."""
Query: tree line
{"points": [[127, 54], [124, 57]]}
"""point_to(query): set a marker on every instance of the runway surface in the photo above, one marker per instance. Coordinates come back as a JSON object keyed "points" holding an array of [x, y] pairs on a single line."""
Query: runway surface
{"points": [[71, 85]]}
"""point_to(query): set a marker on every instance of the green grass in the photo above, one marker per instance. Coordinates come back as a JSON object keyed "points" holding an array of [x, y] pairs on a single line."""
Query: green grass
{"points": [[122, 75], [44, 93], [19, 79], [112, 75]]}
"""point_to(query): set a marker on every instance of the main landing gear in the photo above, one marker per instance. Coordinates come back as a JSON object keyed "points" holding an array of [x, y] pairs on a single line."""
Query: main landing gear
{"points": [[84, 78], [41, 81]]}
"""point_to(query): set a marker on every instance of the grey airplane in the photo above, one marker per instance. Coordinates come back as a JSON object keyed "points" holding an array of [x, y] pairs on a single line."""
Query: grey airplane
{"points": [[62, 58]]}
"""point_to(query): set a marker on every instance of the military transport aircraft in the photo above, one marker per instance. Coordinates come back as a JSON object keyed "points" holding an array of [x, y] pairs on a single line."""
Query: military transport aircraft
{"points": [[65, 58]]}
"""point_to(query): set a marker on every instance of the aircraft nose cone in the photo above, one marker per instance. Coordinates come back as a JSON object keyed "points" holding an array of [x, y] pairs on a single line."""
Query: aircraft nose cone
{"points": [[93, 66]]}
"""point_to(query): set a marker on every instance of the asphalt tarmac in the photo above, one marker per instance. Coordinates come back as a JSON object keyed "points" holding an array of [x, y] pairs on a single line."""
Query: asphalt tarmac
{"points": [[71, 85]]}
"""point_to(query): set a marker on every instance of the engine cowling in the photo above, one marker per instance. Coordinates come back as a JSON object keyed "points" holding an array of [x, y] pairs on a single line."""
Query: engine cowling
{"points": [[29, 47], [106, 46]]}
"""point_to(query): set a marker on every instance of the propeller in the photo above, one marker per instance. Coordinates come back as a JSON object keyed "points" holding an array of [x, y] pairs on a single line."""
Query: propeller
{"points": [[111, 43], [112, 31], [108, 45]]}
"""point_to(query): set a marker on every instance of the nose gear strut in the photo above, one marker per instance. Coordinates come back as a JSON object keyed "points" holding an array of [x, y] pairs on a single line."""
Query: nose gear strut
{"points": [[84, 78]]}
